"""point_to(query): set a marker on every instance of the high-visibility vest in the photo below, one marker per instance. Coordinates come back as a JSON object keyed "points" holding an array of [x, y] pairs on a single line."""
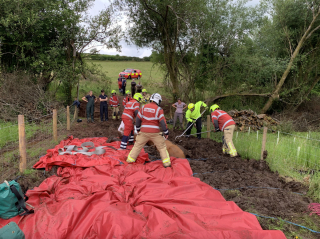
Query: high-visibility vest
{"points": [[130, 108], [151, 115], [195, 114], [126, 100], [114, 101], [224, 120]]}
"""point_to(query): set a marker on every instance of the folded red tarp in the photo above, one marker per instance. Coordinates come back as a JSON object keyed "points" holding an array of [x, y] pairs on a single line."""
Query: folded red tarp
{"points": [[133, 201], [111, 156]]}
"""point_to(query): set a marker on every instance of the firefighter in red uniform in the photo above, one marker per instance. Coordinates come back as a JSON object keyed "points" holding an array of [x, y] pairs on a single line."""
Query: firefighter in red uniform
{"points": [[130, 112], [114, 103], [127, 98], [149, 121], [224, 122]]}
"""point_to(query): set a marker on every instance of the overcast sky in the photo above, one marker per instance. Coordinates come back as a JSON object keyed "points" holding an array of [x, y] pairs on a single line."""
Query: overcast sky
{"points": [[128, 50]]}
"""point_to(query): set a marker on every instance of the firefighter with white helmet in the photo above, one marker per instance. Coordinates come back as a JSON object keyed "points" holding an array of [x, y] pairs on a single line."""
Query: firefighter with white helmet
{"points": [[149, 122]]}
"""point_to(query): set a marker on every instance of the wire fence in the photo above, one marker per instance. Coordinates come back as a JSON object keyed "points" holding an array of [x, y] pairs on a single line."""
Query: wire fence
{"points": [[293, 155], [38, 138]]}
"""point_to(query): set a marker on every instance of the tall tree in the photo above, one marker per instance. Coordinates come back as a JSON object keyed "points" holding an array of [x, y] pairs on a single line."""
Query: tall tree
{"points": [[161, 25], [283, 12], [47, 38]]}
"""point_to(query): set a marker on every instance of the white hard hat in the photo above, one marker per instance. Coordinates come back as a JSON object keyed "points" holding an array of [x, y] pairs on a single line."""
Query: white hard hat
{"points": [[156, 97]]}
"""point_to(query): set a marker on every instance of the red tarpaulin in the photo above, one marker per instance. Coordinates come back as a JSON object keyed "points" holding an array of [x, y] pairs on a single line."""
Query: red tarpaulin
{"points": [[107, 200]]}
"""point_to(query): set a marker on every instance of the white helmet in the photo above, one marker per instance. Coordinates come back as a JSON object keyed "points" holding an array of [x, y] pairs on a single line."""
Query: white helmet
{"points": [[156, 97]]}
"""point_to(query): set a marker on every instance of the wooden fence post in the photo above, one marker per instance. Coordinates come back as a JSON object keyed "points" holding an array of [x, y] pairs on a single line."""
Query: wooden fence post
{"points": [[55, 125], [68, 118], [264, 140], [75, 116], [22, 144], [208, 126]]}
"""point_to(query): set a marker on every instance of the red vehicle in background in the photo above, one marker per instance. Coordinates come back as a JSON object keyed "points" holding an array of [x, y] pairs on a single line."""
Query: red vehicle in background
{"points": [[131, 74]]}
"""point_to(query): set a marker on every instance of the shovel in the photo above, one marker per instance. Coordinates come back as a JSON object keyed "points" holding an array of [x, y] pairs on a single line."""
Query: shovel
{"points": [[190, 126]]}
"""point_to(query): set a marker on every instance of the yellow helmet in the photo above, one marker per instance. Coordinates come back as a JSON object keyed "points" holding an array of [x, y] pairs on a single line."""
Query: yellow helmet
{"points": [[190, 106], [144, 90], [214, 107], [128, 92], [138, 97], [113, 92]]}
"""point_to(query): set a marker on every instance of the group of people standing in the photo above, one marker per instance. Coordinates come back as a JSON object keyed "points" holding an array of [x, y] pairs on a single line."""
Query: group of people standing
{"points": [[144, 112], [122, 84], [114, 102]]}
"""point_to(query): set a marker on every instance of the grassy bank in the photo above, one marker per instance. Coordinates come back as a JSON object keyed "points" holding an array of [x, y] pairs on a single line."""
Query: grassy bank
{"points": [[295, 156]]}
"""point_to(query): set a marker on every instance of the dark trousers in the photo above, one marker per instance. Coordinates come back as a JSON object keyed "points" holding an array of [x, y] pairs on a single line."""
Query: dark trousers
{"points": [[103, 111], [123, 90], [198, 125], [90, 111], [133, 91]]}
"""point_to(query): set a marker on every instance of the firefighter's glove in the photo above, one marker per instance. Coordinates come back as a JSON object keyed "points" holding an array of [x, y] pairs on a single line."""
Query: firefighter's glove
{"points": [[216, 129], [166, 132]]}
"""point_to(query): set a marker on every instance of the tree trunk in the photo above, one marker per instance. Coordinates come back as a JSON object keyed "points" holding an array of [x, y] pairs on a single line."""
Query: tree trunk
{"points": [[172, 69], [234, 94], [275, 94]]}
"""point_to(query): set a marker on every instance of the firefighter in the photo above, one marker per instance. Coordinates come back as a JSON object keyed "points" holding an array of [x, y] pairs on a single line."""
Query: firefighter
{"points": [[149, 121], [90, 99], [130, 112], [224, 122], [127, 98], [114, 103], [146, 96], [193, 116]]}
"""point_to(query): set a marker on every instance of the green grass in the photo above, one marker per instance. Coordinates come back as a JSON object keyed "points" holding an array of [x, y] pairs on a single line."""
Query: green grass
{"points": [[9, 132], [294, 156], [291, 156], [152, 76]]}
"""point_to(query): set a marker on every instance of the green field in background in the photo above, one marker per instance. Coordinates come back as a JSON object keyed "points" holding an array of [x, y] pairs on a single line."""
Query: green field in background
{"points": [[152, 76]]}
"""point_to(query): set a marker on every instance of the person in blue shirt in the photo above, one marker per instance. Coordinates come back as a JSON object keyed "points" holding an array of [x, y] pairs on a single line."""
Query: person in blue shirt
{"points": [[103, 106]]}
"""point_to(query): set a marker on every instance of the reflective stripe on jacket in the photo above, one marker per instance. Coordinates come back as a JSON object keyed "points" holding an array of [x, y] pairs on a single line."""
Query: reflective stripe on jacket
{"points": [[224, 120], [150, 118], [126, 100], [114, 101], [131, 109], [195, 114]]}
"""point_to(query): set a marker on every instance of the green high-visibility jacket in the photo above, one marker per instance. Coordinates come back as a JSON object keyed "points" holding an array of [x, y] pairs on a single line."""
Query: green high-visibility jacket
{"points": [[191, 116]]}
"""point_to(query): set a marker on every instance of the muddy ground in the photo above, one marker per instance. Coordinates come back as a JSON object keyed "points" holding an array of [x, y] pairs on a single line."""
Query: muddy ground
{"points": [[249, 183]]}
